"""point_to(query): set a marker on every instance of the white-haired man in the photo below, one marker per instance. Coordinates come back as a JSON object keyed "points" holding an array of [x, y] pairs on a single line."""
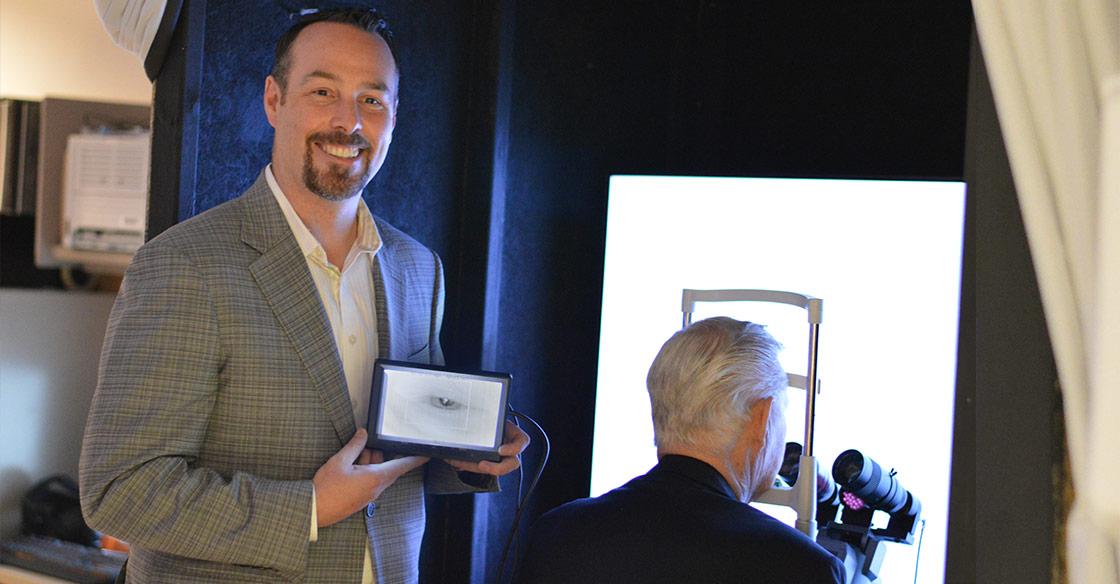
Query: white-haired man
{"points": [[718, 396]]}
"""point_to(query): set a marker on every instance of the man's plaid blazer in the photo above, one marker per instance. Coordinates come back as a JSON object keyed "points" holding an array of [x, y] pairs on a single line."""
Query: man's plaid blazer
{"points": [[221, 392]]}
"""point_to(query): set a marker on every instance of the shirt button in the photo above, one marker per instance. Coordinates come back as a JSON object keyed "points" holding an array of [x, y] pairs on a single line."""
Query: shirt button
{"points": [[370, 508], [353, 339]]}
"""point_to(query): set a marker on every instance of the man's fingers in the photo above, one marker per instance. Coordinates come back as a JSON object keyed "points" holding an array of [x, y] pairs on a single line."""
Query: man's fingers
{"points": [[349, 453], [461, 465], [507, 465], [516, 440], [398, 466], [514, 443], [371, 457], [388, 472]]}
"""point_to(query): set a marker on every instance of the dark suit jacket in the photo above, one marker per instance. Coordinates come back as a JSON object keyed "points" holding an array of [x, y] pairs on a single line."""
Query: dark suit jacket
{"points": [[221, 392], [680, 522]]}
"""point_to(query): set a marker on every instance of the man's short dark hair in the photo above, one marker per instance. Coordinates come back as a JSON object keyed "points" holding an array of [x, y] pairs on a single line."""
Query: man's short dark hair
{"points": [[367, 19]]}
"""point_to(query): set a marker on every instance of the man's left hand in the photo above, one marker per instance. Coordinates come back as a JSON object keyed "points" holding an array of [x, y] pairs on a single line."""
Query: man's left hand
{"points": [[512, 446]]}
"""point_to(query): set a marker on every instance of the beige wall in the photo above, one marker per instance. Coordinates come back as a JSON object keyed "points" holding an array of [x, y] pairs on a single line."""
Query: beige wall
{"points": [[50, 340], [58, 48]]}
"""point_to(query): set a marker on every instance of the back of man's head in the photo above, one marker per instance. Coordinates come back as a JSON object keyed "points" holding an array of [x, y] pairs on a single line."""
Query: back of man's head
{"points": [[706, 378]]}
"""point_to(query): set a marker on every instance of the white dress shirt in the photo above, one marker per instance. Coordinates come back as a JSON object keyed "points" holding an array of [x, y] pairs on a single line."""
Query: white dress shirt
{"points": [[348, 299]]}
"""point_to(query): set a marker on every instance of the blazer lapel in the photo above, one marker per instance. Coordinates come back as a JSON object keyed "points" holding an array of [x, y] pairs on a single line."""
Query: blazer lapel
{"points": [[282, 275], [387, 285]]}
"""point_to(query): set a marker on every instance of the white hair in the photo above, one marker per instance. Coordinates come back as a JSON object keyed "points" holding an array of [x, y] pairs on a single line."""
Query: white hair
{"points": [[706, 378]]}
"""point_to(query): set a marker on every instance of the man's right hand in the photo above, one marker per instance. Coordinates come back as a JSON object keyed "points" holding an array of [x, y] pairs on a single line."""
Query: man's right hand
{"points": [[353, 477]]}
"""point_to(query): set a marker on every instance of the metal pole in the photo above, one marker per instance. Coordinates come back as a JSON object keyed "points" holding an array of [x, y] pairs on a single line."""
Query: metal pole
{"points": [[811, 389]]}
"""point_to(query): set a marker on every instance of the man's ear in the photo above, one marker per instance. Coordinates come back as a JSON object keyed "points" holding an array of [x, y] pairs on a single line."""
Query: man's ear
{"points": [[272, 96], [760, 418]]}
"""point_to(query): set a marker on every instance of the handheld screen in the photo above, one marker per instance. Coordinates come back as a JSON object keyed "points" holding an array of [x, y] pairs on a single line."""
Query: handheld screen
{"points": [[436, 411]]}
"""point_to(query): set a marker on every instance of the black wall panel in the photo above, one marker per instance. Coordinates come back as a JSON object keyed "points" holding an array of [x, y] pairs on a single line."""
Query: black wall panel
{"points": [[865, 89], [1016, 446]]}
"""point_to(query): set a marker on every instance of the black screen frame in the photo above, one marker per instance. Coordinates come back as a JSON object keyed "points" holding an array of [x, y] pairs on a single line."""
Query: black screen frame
{"points": [[456, 452]]}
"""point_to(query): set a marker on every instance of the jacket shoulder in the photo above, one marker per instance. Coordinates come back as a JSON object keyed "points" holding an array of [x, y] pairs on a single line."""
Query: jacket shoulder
{"points": [[397, 240], [219, 225]]}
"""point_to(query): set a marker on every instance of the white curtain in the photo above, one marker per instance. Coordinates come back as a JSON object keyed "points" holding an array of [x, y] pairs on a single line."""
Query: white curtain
{"points": [[1054, 66]]}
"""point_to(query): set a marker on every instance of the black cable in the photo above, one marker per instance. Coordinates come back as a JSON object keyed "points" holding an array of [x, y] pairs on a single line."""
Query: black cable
{"points": [[918, 554], [520, 468], [528, 492], [520, 491]]}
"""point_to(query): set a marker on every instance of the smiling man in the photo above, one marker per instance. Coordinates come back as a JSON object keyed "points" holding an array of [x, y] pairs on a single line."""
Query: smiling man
{"points": [[225, 438]]}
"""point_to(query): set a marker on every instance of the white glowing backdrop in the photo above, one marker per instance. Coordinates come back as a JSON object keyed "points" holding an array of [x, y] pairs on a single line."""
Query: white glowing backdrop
{"points": [[885, 256]]}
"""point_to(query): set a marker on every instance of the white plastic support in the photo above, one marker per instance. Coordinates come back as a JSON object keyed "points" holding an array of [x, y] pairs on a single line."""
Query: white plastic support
{"points": [[802, 497], [799, 382], [689, 298], [806, 503]]}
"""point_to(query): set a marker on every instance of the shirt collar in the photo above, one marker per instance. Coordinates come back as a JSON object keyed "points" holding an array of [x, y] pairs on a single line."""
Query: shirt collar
{"points": [[369, 239]]}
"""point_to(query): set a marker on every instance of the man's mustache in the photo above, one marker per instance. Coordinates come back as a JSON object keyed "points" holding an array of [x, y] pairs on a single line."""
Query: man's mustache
{"points": [[339, 139]]}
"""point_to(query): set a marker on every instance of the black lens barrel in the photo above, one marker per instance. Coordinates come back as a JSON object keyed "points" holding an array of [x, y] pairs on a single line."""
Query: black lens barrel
{"points": [[863, 477]]}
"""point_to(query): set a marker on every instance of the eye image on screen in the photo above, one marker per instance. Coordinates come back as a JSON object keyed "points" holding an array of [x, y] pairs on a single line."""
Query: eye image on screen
{"points": [[440, 409]]}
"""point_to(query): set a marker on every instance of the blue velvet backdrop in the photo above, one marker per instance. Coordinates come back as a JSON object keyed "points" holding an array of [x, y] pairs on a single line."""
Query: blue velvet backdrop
{"points": [[417, 188]]}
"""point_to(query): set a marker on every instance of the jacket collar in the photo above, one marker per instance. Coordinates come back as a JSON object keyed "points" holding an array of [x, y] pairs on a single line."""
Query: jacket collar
{"points": [[283, 277], [695, 471], [263, 225]]}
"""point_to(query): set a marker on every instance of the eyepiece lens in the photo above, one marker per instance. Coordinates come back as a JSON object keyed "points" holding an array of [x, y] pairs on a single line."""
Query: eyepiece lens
{"points": [[847, 467]]}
